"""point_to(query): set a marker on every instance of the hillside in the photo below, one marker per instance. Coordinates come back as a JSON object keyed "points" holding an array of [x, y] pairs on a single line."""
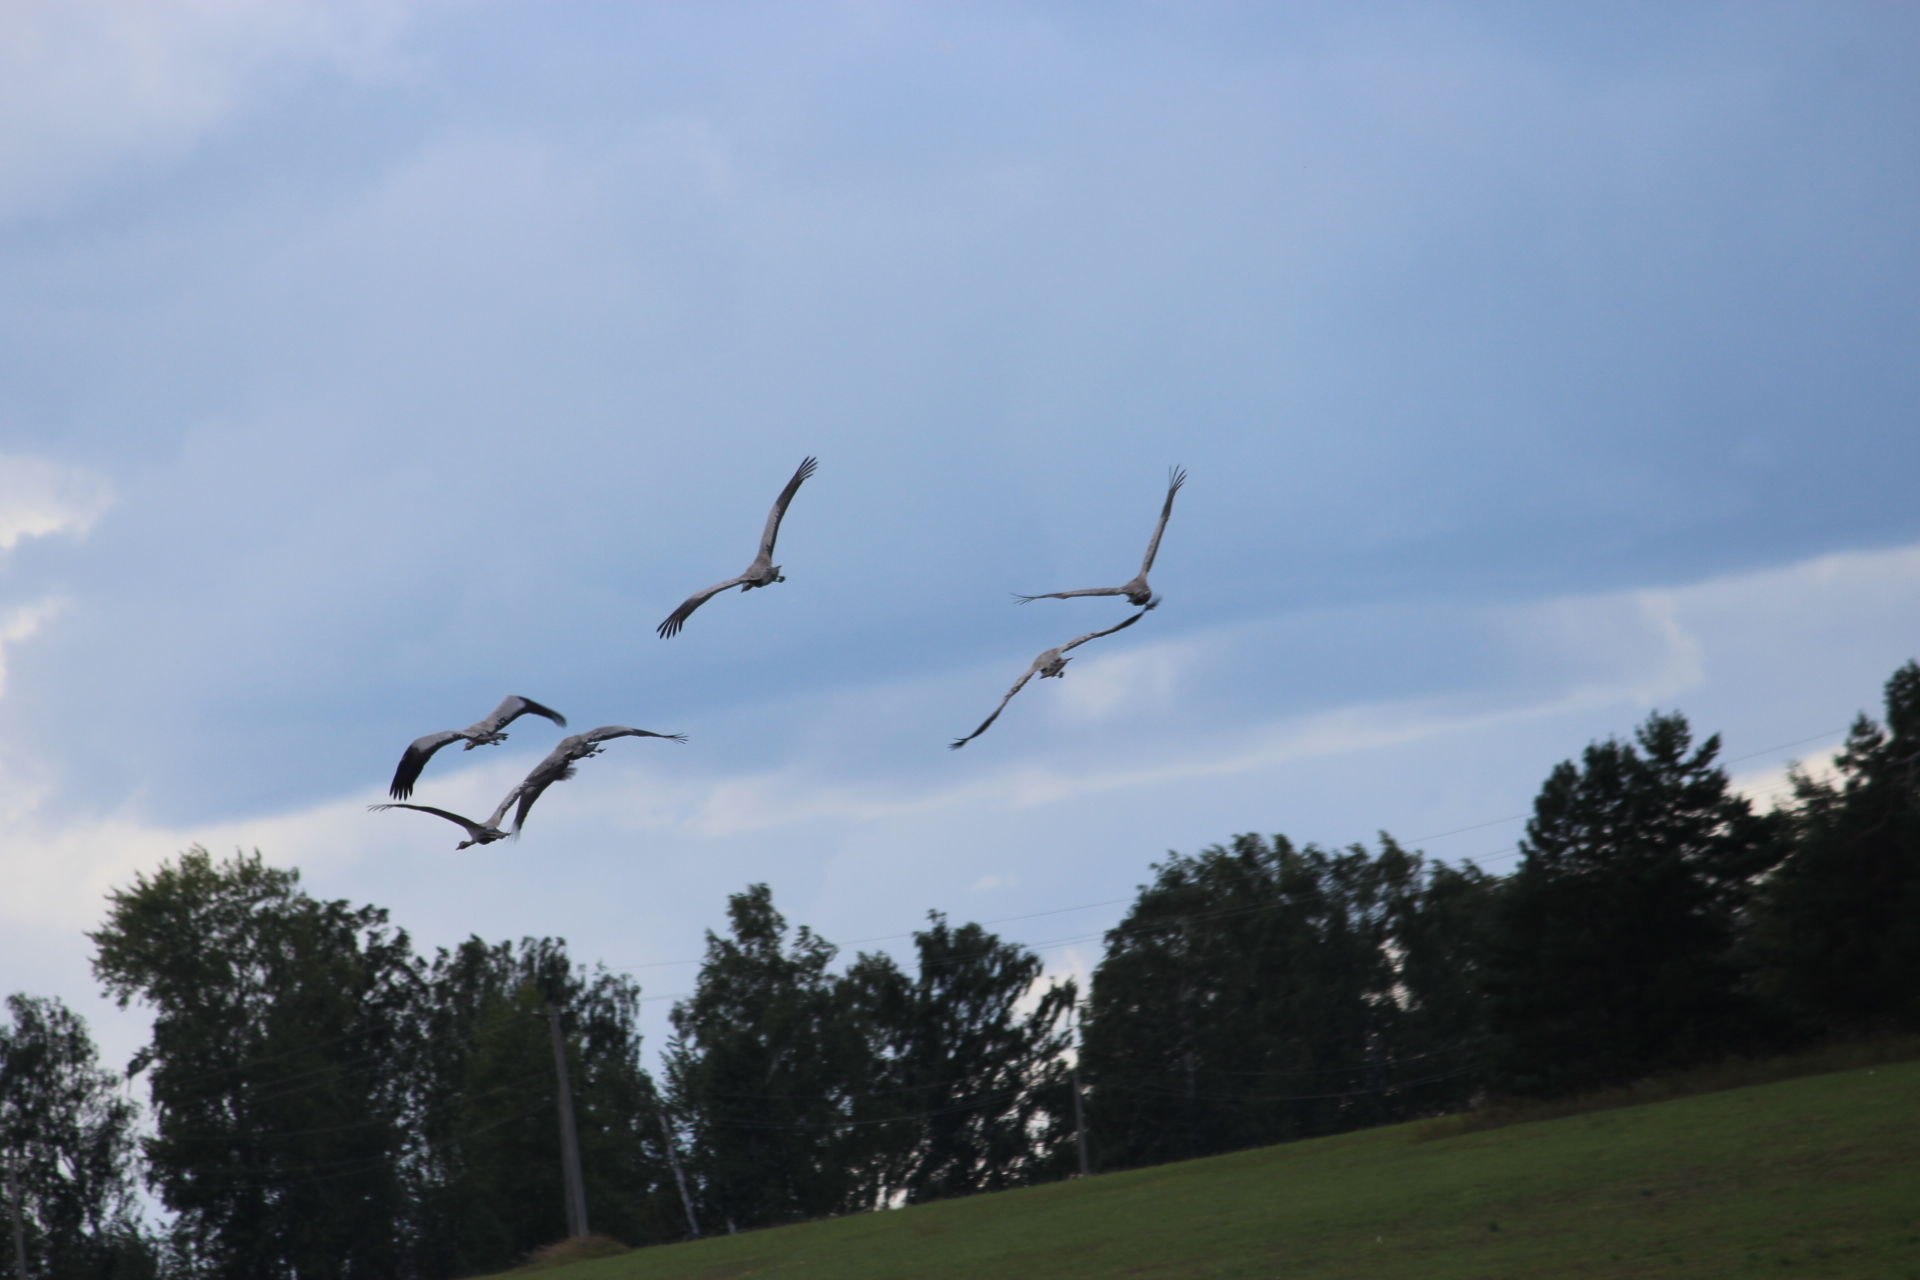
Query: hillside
{"points": [[1817, 1176]]}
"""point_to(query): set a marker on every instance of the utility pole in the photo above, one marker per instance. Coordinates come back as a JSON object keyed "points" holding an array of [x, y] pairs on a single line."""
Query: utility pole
{"points": [[673, 1159], [1080, 1121], [569, 1139], [1079, 1109]]}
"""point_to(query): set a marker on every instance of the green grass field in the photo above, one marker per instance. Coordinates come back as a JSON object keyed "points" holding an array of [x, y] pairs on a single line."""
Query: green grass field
{"points": [[1818, 1176]]}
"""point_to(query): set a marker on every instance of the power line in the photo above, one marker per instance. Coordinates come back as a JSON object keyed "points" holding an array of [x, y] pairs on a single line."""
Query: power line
{"points": [[1504, 851]]}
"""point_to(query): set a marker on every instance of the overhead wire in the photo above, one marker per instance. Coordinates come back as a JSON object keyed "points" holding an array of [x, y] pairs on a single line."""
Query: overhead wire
{"points": [[1504, 851]]}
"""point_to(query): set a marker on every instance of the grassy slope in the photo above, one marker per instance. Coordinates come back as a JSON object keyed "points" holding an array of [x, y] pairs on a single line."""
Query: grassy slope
{"points": [[1811, 1177]]}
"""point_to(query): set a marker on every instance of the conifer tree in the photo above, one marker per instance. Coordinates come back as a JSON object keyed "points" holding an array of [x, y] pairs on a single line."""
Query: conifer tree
{"points": [[1837, 926], [1614, 950]]}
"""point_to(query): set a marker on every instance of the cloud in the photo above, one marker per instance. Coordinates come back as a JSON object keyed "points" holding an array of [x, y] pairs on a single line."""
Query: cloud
{"points": [[41, 499], [23, 624], [1148, 678], [1773, 785], [88, 87]]}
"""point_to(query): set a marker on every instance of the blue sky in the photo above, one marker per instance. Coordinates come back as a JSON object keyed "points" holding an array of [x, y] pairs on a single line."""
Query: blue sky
{"points": [[1535, 368]]}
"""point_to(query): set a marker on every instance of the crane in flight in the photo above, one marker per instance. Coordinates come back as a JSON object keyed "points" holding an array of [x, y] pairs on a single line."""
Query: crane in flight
{"points": [[1052, 663], [477, 832], [762, 572], [1136, 590], [558, 766], [480, 733]]}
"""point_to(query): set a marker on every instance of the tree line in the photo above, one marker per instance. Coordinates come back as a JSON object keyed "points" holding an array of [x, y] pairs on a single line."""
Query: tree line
{"points": [[325, 1100]]}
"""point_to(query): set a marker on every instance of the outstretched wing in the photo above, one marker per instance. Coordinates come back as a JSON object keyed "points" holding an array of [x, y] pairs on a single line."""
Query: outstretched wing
{"points": [[1175, 478], [1018, 685], [530, 790], [415, 758], [607, 731], [806, 468], [513, 706], [678, 618], [1068, 595], [1095, 635], [473, 828]]}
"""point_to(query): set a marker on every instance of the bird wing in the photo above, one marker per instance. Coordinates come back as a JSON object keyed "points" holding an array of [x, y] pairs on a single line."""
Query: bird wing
{"points": [[678, 618], [500, 810], [806, 468], [513, 706], [415, 758], [1095, 635], [1018, 685], [530, 790], [607, 731], [474, 829], [1064, 595], [1175, 478]]}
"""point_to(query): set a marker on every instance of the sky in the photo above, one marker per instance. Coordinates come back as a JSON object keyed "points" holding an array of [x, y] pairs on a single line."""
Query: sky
{"points": [[1535, 368]]}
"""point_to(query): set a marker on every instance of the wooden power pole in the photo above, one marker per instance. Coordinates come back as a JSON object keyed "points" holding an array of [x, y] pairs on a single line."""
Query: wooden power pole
{"points": [[576, 1186], [1079, 1108], [673, 1160], [1079, 1121]]}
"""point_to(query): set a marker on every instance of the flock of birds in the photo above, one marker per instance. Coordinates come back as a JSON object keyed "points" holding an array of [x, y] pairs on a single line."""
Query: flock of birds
{"points": [[558, 765]]}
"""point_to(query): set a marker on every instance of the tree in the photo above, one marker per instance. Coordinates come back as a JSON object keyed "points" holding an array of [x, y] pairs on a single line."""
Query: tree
{"points": [[1614, 950], [762, 1073], [487, 1105], [67, 1147], [278, 1068], [965, 1091], [1840, 948], [1259, 992]]}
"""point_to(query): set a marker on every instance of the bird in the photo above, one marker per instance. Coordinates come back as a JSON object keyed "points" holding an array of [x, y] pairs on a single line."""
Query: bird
{"points": [[1136, 591], [761, 573], [477, 833], [558, 766], [481, 733], [1052, 663]]}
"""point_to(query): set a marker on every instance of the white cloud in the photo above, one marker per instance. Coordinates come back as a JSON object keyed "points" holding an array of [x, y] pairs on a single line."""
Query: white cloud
{"points": [[87, 87], [1772, 786], [41, 499], [23, 624], [1148, 677]]}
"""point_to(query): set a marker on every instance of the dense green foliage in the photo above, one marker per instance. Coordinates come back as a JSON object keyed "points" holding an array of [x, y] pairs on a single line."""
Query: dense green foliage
{"points": [[1613, 948], [327, 1102], [66, 1153], [803, 1094], [1839, 928], [763, 1071], [281, 1138], [488, 1105], [1258, 992], [964, 1092]]}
